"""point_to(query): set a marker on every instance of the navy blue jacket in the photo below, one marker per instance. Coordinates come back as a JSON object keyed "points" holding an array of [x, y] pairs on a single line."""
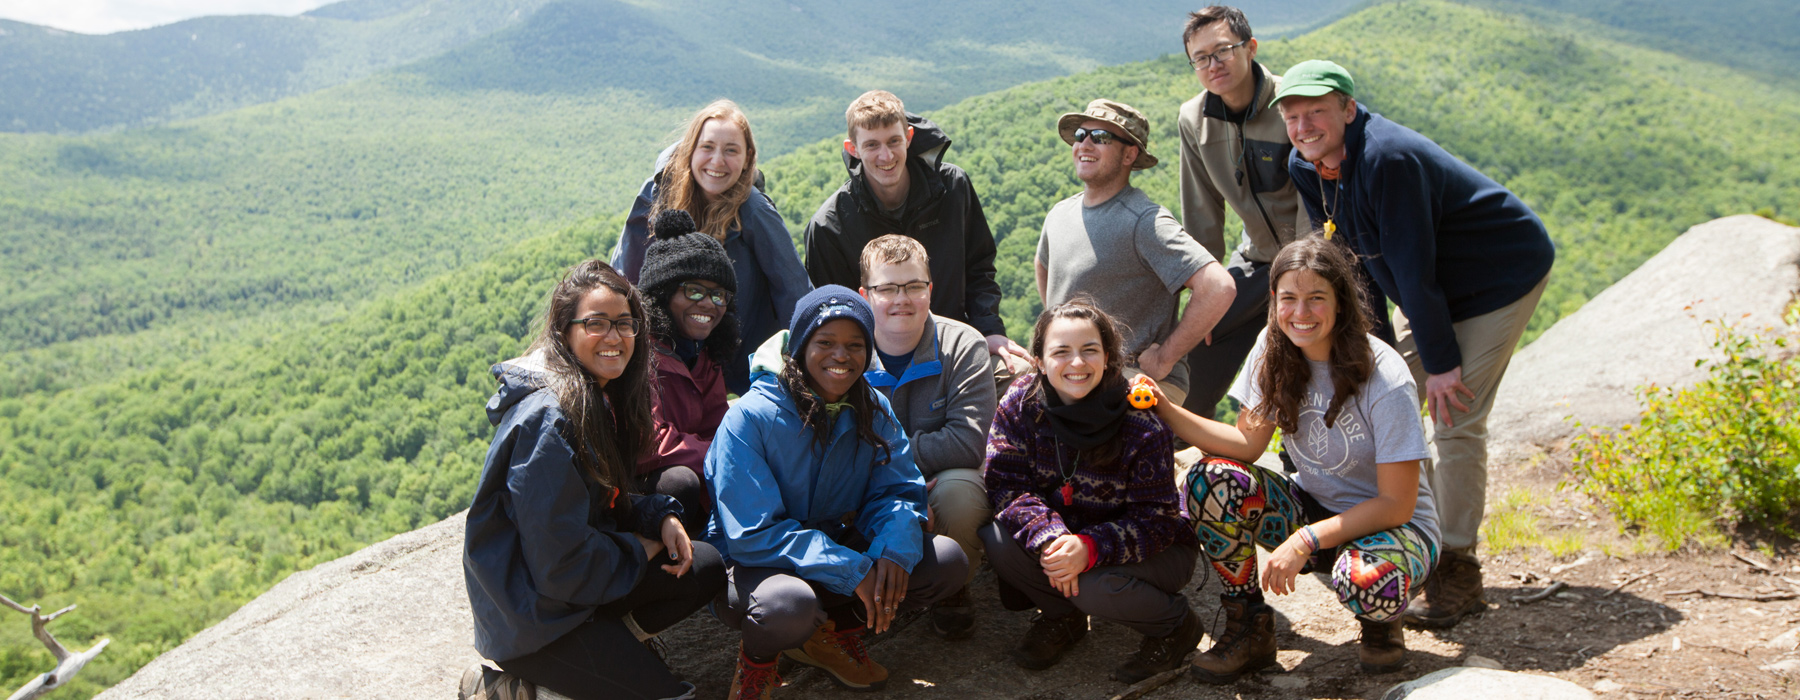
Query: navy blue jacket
{"points": [[1442, 240], [770, 279], [541, 550]]}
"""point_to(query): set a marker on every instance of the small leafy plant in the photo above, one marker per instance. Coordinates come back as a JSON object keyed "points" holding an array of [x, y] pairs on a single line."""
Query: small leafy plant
{"points": [[1724, 450]]}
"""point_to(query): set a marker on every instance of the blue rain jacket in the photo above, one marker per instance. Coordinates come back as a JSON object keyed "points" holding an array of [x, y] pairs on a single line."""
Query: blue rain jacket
{"points": [[541, 550], [783, 502]]}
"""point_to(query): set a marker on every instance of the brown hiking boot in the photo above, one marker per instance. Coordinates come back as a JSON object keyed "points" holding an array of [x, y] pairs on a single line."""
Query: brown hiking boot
{"points": [[1247, 645], [482, 683], [953, 617], [1383, 646], [1048, 639], [1454, 590], [1158, 654], [843, 656], [753, 681]]}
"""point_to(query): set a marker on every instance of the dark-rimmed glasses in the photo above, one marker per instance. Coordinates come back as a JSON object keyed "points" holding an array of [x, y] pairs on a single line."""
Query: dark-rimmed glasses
{"points": [[915, 289], [627, 327], [694, 292], [1220, 56]]}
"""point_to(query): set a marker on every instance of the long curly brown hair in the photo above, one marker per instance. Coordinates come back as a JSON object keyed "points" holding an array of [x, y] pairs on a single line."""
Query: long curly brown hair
{"points": [[718, 216], [1284, 372], [609, 426]]}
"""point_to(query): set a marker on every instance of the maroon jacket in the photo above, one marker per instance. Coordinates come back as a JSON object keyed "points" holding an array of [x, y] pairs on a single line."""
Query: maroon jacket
{"points": [[689, 405]]}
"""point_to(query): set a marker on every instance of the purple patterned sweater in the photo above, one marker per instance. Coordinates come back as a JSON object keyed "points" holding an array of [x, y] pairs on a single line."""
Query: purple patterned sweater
{"points": [[1131, 514]]}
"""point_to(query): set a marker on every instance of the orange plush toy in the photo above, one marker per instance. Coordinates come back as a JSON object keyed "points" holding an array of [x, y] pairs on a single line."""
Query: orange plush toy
{"points": [[1140, 396]]}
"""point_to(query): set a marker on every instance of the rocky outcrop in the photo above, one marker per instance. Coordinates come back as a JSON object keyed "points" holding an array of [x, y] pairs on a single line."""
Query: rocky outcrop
{"points": [[389, 621], [1647, 328], [1464, 683]]}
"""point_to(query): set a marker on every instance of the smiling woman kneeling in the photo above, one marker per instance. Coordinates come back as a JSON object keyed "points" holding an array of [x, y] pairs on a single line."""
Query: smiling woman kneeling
{"points": [[1349, 418], [819, 508], [569, 571], [1086, 516]]}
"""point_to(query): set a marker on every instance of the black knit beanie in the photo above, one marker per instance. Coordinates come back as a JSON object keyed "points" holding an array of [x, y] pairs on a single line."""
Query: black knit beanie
{"points": [[679, 252]]}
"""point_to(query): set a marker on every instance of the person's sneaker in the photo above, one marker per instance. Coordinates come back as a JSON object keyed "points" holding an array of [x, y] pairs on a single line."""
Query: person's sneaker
{"points": [[1158, 654], [1048, 639], [1248, 644], [1383, 646], [482, 683], [843, 656], [1453, 591], [753, 681], [953, 617]]}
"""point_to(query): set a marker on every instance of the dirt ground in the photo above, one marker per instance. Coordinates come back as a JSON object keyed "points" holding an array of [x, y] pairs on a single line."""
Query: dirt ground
{"points": [[1653, 638]]}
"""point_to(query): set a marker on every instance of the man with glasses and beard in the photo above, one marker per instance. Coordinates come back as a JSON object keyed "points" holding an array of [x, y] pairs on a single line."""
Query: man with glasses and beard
{"points": [[1234, 151], [1111, 243]]}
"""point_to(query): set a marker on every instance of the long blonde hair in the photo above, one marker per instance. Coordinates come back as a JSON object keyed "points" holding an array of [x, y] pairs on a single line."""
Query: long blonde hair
{"points": [[678, 191]]}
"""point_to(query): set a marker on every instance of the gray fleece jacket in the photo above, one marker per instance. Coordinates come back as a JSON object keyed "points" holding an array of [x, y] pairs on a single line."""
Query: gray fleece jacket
{"points": [[945, 398]]}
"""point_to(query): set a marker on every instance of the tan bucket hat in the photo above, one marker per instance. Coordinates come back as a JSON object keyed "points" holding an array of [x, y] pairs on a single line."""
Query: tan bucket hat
{"points": [[1130, 121]]}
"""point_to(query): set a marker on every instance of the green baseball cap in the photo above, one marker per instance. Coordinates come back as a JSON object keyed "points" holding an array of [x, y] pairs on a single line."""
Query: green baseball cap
{"points": [[1314, 78]]}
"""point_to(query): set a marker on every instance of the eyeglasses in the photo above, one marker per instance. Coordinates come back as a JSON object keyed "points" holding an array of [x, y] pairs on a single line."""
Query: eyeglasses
{"points": [[627, 327], [694, 292], [1220, 56], [913, 289], [1101, 137]]}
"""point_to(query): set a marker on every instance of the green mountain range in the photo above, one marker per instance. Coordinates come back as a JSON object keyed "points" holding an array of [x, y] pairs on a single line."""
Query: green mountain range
{"points": [[235, 347]]}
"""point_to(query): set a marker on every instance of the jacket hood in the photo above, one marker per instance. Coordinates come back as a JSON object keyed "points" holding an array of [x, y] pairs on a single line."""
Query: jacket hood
{"points": [[928, 145], [519, 377]]}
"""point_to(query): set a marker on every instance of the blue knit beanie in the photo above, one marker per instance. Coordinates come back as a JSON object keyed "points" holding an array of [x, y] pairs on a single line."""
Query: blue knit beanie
{"points": [[829, 303]]}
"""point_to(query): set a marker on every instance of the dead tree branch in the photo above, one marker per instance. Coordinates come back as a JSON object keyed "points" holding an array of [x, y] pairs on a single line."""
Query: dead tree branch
{"points": [[67, 663]]}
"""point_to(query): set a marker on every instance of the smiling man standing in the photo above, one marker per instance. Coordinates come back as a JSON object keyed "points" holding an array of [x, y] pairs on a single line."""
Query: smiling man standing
{"points": [[1463, 258], [1234, 150], [1113, 244], [900, 184]]}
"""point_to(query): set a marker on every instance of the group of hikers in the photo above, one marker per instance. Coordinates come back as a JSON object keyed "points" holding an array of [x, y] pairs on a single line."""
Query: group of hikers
{"points": [[887, 436]]}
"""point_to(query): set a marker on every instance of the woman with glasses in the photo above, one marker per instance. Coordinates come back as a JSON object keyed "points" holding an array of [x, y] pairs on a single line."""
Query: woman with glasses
{"points": [[711, 174], [569, 570], [688, 284]]}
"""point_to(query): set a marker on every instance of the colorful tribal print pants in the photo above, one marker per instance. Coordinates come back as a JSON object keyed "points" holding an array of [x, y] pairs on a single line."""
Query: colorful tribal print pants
{"points": [[1235, 507]]}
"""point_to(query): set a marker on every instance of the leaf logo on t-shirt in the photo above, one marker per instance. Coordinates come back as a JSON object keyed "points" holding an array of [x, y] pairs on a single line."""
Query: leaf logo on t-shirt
{"points": [[1328, 447]]}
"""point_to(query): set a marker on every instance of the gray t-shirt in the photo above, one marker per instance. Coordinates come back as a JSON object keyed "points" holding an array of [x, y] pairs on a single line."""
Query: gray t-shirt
{"points": [[1380, 425], [1128, 253]]}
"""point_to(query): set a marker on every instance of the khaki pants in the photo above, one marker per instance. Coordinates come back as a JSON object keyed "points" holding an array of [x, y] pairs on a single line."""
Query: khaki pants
{"points": [[1459, 474], [960, 503]]}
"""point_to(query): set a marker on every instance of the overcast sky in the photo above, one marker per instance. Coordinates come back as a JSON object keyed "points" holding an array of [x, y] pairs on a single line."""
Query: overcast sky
{"points": [[106, 16]]}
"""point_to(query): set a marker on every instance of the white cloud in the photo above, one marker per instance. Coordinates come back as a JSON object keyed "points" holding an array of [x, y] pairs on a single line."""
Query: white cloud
{"points": [[106, 16]]}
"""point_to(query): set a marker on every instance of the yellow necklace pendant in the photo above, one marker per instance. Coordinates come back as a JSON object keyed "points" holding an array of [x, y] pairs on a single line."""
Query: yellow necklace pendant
{"points": [[1330, 228]]}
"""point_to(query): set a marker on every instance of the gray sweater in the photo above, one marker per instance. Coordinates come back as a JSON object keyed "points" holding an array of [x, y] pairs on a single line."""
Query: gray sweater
{"points": [[945, 398]]}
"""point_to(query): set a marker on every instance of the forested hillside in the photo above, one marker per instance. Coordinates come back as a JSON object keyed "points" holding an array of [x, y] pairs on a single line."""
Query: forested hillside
{"points": [[1618, 148], [265, 415], [1761, 37], [314, 204]]}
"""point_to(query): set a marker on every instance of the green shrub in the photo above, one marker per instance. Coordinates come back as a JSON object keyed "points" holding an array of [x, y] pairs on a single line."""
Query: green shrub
{"points": [[1725, 450]]}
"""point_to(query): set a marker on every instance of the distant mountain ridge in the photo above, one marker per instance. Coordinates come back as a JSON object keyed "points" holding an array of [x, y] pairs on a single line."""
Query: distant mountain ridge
{"points": [[941, 50], [60, 82]]}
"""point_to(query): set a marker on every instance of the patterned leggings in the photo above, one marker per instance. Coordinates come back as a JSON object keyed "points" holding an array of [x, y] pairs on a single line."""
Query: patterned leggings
{"points": [[1235, 507]]}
